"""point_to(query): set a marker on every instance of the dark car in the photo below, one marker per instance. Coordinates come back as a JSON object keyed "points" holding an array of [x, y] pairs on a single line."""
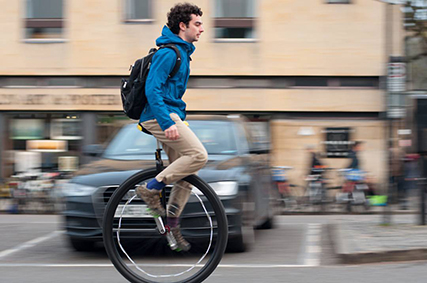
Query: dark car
{"points": [[237, 170]]}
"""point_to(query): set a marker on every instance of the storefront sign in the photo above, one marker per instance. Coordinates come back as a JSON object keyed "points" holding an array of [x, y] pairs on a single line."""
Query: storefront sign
{"points": [[62, 101], [337, 142]]}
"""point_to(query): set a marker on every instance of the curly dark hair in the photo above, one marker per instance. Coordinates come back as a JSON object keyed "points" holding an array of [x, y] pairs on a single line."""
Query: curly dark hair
{"points": [[182, 13]]}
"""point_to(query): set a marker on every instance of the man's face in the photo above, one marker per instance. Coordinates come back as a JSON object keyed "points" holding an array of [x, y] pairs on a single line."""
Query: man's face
{"points": [[194, 29]]}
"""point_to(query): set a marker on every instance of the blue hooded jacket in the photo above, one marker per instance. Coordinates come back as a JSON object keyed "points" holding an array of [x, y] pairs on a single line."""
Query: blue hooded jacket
{"points": [[164, 94]]}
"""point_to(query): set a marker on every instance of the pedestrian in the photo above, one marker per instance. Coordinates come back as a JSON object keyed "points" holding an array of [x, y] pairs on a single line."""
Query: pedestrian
{"points": [[354, 156], [165, 113], [315, 164]]}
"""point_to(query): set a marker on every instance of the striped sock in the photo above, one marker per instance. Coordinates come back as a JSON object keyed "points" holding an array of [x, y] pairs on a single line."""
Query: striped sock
{"points": [[173, 221]]}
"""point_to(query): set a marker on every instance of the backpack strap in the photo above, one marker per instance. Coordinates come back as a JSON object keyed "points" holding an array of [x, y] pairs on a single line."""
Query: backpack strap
{"points": [[178, 59]]}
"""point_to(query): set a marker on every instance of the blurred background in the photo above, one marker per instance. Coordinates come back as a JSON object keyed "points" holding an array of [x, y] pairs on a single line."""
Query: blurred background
{"points": [[311, 76]]}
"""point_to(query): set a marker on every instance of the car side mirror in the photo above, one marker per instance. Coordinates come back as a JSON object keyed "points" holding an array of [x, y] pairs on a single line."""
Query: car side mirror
{"points": [[93, 150]]}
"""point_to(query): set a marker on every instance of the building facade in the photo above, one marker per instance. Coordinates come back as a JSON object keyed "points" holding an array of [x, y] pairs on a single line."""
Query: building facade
{"points": [[297, 69]]}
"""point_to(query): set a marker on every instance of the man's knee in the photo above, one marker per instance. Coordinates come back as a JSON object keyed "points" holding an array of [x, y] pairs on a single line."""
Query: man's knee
{"points": [[201, 157]]}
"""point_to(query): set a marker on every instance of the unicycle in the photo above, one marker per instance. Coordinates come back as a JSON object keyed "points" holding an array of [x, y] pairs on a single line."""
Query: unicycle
{"points": [[139, 244]]}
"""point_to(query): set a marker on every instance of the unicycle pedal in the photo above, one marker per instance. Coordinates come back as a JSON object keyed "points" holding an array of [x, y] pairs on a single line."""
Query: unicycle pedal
{"points": [[159, 223]]}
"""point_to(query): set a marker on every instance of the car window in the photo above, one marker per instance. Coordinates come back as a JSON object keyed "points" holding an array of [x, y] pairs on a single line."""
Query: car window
{"points": [[243, 138], [130, 141], [216, 136]]}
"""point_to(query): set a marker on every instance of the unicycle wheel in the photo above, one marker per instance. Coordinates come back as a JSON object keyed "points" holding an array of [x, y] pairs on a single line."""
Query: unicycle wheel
{"points": [[141, 253]]}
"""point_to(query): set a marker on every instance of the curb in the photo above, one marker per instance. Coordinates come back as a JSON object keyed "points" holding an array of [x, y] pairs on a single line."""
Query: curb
{"points": [[341, 243], [396, 212]]}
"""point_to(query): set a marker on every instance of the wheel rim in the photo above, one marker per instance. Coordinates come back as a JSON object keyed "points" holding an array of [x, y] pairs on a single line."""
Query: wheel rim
{"points": [[165, 275]]}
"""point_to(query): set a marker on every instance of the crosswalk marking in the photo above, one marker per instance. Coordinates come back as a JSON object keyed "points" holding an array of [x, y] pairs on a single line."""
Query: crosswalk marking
{"points": [[312, 245]]}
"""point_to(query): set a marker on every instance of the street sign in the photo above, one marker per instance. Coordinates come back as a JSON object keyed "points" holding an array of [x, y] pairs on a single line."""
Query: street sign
{"points": [[396, 79], [404, 132]]}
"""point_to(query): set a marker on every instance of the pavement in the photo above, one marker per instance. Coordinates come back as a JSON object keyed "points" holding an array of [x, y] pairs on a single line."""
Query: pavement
{"points": [[370, 240]]}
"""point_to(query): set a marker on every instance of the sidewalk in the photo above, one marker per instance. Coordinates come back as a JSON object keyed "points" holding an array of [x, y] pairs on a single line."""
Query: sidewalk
{"points": [[369, 241]]}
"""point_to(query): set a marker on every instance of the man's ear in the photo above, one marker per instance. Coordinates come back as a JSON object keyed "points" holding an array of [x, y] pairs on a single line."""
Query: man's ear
{"points": [[182, 26]]}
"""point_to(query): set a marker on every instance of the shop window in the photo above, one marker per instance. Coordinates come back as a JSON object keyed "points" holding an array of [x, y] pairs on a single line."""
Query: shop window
{"points": [[44, 19], [138, 10], [27, 129], [66, 129], [234, 19]]}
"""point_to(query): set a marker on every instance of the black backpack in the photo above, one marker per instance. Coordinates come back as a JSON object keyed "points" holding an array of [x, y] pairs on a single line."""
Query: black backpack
{"points": [[133, 89]]}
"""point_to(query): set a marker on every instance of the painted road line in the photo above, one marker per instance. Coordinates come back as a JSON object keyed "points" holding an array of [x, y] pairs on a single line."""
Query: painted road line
{"points": [[29, 244], [71, 265], [311, 255]]}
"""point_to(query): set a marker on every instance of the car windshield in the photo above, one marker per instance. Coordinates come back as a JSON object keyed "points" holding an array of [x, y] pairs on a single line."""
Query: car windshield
{"points": [[130, 143]]}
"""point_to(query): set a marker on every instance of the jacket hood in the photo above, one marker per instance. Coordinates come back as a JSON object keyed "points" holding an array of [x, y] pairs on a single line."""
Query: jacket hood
{"points": [[168, 37]]}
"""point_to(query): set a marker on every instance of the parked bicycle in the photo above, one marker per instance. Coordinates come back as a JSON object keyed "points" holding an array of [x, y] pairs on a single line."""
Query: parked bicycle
{"points": [[286, 198], [353, 189], [316, 188]]}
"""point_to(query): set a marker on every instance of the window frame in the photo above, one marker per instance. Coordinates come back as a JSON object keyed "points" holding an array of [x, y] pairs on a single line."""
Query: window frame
{"points": [[235, 22], [125, 14], [44, 23]]}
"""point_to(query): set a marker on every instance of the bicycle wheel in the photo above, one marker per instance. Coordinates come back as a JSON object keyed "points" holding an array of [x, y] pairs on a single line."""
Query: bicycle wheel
{"points": [[140, 252]]}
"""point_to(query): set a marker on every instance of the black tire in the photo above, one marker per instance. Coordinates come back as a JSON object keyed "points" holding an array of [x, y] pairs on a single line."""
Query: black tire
{"points": [[216, 251], [82, 245], [236, 245], [267, 225], [242, 242]]}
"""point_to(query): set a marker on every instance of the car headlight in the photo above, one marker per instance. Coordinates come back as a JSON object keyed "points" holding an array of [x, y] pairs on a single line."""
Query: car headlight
{"points": [[226, 188], [77, 190]]}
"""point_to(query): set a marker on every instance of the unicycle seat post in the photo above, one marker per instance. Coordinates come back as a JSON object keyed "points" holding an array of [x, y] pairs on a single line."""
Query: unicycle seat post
{"points": [[158, 155]]}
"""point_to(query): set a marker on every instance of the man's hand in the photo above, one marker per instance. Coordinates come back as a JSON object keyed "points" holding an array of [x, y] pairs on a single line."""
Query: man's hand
{"points": [[172, 133]]}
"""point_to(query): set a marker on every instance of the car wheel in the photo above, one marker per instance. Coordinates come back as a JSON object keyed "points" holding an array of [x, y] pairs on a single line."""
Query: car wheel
{"points": [[268, 224], [242, 242], [82, 245]]}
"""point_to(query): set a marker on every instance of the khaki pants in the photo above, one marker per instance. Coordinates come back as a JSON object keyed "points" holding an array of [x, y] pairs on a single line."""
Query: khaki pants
{"points": [[187, 156]]}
